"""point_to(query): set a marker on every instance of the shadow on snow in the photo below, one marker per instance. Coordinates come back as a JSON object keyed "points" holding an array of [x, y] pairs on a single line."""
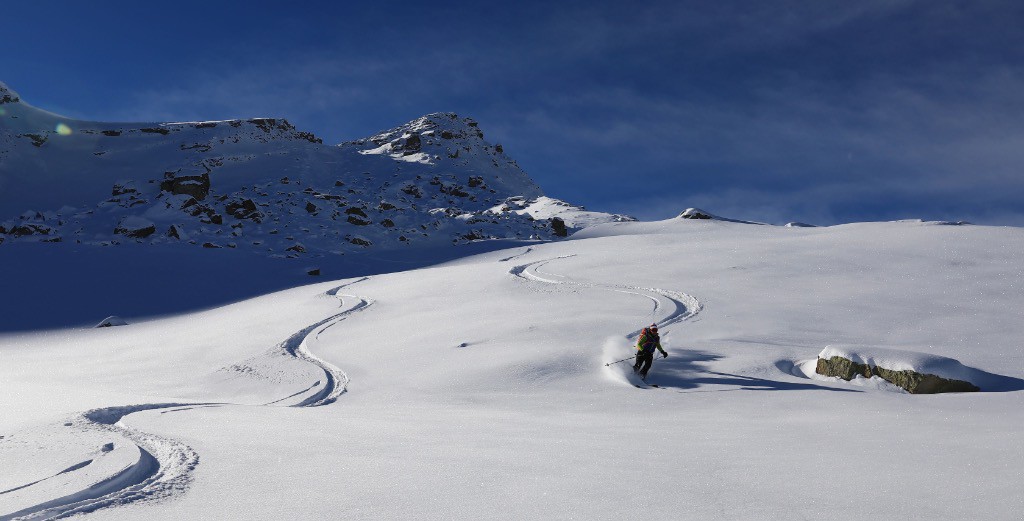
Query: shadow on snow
{"points": [[683, 371]]}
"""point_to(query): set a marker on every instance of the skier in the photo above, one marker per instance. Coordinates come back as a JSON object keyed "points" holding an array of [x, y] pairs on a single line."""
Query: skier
{"points": [[645, 346]]}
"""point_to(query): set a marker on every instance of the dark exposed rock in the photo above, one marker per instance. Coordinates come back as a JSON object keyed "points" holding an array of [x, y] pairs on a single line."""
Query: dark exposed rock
{"points": [[309, 136], [245, 209], [135, 228], [173, 232], [384, 205], [499, 149], [122, 189], [22, 230], [196, 146], [312, 208], [210, 245], [155, 130], [314, 272], [412, 190], [454, 189], [198, 186], [37, 139], [354, 219], [913, 382], [297, 248], [473, 235], [355, 211], [695, 213], [387, 223], [358, 241], [476, 181], [111, 133], [558, 226], [412, 144]]}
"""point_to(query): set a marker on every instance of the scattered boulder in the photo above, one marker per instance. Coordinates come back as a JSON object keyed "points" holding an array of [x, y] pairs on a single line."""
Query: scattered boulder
{"points": [[123, 187], [175, 232], [244, 209], [197, 186], [313, 272], [912, 381], [37, 139], [558, 225], [21, 230], [135, 227], [412, 190], [412, 144], [358, 241]]}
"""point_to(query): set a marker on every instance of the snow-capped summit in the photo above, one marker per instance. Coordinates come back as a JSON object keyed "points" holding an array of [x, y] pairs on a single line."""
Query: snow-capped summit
{"points": [[261, 184], [696, 213]]}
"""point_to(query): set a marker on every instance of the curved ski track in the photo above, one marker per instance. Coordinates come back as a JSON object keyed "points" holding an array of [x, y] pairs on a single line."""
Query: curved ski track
{"points": [[165, 466], [297, 346], [681, 305]]}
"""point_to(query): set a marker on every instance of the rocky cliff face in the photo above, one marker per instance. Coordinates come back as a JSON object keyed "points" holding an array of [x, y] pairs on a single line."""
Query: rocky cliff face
{"points": [[259, 184]]}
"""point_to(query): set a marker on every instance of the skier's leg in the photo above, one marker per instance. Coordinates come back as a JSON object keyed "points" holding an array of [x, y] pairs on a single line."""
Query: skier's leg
{"points": [[639, 360], [648, 360]]}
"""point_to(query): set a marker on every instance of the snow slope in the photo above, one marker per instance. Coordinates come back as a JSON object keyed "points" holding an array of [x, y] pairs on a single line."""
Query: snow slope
{"points": [[478, 388]]}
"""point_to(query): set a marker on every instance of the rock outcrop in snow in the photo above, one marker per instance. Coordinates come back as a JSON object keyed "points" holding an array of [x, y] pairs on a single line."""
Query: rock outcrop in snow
{"points": [[917, 373], [263, 185]]}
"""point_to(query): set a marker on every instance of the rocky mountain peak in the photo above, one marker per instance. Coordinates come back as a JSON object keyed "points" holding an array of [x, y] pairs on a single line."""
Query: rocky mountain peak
{"points": [[7, 95], [263, 185]]}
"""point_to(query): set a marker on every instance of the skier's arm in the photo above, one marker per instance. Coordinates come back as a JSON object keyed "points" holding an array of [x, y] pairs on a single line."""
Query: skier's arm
{"points": [[663, 353]]}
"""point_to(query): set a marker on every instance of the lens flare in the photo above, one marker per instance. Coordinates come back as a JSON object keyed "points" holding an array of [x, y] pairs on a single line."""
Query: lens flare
{"points": [[63, 129]]}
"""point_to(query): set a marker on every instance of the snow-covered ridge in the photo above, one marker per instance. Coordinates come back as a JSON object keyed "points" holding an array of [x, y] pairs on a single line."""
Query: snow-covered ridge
{"points": [[263, 185]]}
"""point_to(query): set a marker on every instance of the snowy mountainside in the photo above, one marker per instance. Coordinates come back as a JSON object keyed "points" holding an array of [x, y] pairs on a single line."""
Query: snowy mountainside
{"points": [[261, 184]]}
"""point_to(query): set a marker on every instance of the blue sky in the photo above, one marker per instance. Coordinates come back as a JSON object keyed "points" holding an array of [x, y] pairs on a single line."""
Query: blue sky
{"points": [[814, 111]]}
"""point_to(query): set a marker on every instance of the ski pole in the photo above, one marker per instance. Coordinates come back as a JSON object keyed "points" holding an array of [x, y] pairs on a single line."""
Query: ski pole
{"points": [[617, 361]]}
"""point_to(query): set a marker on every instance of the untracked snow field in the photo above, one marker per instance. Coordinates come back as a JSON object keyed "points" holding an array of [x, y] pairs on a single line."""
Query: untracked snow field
{"points": [[477, 389]]}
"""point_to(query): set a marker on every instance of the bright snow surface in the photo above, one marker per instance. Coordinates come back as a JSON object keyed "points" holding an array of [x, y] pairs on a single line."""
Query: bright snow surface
{"points": [[477, 389]]}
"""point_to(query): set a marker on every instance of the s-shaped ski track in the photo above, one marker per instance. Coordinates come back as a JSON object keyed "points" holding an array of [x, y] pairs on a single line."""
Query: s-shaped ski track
{"points": [[297, 346], [164, 466], [680, 306]]}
